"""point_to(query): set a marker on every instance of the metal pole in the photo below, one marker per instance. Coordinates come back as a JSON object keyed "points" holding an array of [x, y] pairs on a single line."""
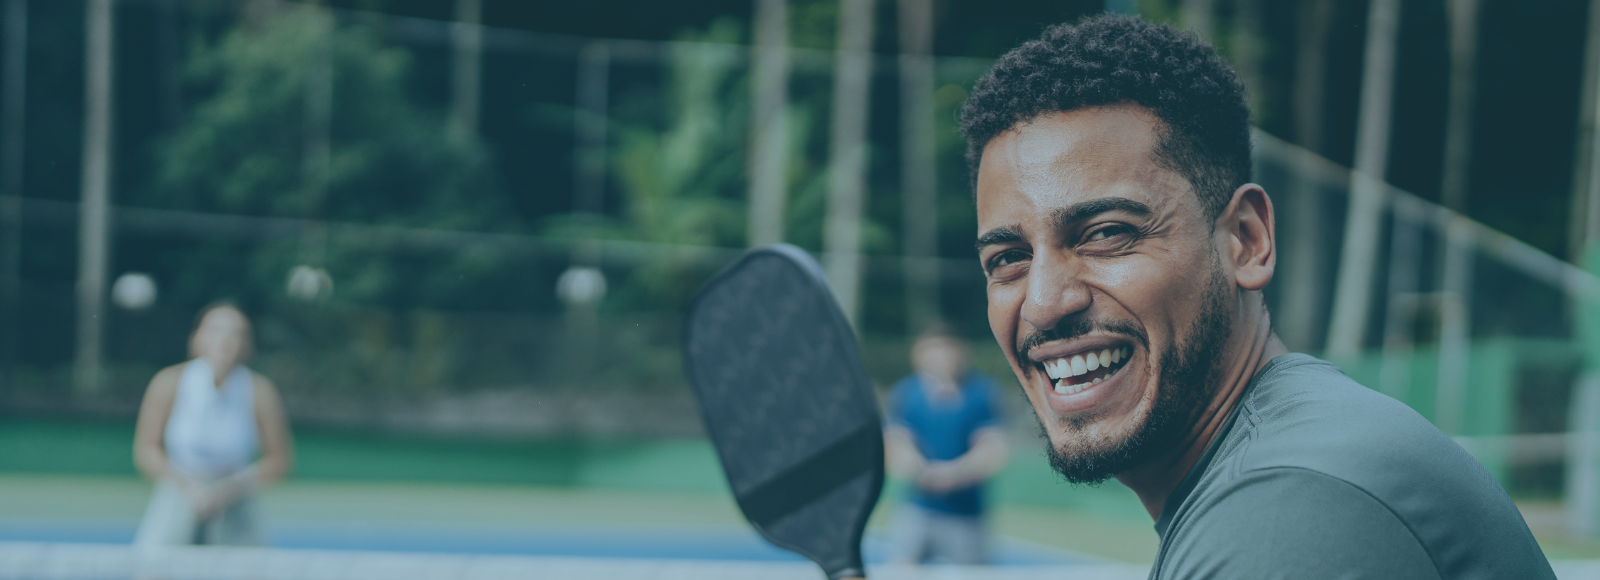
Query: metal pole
{"points": [[13, 121], [1455, 326], [1455, 308], [769, 125], [1582, 489], [918, 169], [1592, 230], [93, 223], [466, 33], [847, 155], [1582, 226], [1463, 90], [1353, 295], [1394, 378], [1303, 273]]}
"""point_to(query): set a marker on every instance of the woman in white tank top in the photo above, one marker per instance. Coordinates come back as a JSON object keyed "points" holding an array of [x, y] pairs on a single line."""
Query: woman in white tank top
{"points": [[211, 433]]}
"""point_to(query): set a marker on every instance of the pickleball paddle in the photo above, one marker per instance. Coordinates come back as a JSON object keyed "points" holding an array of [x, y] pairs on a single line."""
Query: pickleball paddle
{"points": [[787, 405]]}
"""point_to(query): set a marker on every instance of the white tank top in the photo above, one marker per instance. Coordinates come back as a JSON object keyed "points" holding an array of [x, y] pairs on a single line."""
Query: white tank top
{"points": [[212, 430]]}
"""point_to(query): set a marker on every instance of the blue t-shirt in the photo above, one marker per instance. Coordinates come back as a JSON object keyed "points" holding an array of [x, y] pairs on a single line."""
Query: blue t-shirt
{"points": [[942, 430]]}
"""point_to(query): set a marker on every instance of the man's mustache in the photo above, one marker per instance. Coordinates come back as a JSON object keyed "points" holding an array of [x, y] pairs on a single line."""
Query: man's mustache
{"points": [[1075, 327]]}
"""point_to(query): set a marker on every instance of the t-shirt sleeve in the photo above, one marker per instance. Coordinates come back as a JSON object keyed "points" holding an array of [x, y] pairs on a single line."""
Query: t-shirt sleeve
{"points": [[1294, 523], [894, 412]]}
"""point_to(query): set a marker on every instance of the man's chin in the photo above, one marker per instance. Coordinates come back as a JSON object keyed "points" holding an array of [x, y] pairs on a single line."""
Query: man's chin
{"points": [[1089, 458]]}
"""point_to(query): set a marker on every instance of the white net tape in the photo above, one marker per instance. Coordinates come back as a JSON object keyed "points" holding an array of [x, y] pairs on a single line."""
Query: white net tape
{"points": [[62, 561]]}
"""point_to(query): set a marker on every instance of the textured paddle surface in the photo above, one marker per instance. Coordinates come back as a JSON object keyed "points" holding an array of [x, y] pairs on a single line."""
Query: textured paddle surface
{"points": [[787, 404]]}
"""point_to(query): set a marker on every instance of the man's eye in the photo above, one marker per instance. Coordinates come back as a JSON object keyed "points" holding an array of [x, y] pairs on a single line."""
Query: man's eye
{"points": [[1108, 232], [1006, 258]]}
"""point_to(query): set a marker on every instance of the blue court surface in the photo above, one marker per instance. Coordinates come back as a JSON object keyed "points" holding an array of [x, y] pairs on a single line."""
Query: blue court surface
{"points": [[693, 543]]}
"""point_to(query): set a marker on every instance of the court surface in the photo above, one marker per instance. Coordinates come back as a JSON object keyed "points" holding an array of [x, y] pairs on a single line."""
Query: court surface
{"points": [[500, 519], [473, 519], [73, 527], [77, 527]]}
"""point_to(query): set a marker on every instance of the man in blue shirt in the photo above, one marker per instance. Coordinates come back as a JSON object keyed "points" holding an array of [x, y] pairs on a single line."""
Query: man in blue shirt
{"points": [[944, 436]]}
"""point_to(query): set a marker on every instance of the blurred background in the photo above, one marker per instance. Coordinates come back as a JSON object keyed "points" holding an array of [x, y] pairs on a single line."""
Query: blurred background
{"points": [[467, 230]]}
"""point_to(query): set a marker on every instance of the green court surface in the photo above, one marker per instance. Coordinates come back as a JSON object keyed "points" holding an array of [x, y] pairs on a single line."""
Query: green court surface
{"points": [[67, 498], [82, 470]]}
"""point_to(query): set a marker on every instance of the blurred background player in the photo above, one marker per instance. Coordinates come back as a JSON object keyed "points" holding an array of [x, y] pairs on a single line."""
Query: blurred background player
{"points": [[211, 433], [944, 435]]}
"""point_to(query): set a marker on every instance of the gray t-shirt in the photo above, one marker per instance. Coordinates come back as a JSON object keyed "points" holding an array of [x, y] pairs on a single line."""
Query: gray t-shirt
{"points": [[1315, 476]]}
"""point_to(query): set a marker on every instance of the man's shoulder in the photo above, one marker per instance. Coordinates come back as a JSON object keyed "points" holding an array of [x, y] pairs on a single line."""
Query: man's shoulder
{"points": [[1303, 412], [1283, 522], [1328, 444]]}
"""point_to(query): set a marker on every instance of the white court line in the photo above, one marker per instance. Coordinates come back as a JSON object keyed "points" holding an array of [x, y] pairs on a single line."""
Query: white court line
{"points": [[73, 561], [64, 561]]}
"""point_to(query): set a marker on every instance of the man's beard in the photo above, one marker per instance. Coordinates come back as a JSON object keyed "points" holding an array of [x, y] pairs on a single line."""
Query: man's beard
{"points": [[1188, 381]]}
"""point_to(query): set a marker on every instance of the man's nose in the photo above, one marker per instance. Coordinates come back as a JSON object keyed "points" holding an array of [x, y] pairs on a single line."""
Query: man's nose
{"points": [[1055, 291]]}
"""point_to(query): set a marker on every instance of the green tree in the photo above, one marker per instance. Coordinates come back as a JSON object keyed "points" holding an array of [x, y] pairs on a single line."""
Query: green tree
{"points": [[388, 161]]}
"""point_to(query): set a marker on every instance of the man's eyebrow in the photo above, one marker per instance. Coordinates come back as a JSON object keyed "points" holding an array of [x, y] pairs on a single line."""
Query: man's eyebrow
{"points": [[1085, 210], [1000, 235]]}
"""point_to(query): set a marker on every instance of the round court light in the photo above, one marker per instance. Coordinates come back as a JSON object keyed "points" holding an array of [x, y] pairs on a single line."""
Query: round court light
{"points": [[581, 286], [309, 284], [133, 291]]}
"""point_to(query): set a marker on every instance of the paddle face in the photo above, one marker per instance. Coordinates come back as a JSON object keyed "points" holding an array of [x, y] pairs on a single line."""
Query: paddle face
{"points": [[787, 404]]}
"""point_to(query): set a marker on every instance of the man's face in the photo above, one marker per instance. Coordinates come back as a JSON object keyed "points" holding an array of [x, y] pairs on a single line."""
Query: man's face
{"points": [[941, 356], [1105, 286]]}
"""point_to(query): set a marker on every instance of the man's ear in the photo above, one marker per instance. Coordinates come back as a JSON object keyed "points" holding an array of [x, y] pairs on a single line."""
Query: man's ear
{"points": [[1252, 241]]}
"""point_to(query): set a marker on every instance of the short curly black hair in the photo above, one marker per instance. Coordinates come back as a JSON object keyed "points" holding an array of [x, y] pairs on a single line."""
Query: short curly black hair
{"points": [[1112, 59]]}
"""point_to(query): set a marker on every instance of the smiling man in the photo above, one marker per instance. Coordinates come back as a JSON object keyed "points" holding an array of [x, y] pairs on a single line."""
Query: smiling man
{"points": [[1126, 252]]}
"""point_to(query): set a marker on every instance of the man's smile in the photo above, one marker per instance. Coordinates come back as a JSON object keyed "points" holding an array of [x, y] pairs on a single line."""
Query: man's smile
{"points": [[1080, 371], [1075, 375]]}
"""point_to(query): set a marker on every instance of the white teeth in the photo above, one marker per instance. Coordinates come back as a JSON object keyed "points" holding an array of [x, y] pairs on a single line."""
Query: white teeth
{"points": [[1062, 388], [1054, 368], [1063, 368]]}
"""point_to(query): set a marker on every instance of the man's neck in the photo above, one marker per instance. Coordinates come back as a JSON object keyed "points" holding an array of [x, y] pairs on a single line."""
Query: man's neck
{"points": [[1156, 480]]}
